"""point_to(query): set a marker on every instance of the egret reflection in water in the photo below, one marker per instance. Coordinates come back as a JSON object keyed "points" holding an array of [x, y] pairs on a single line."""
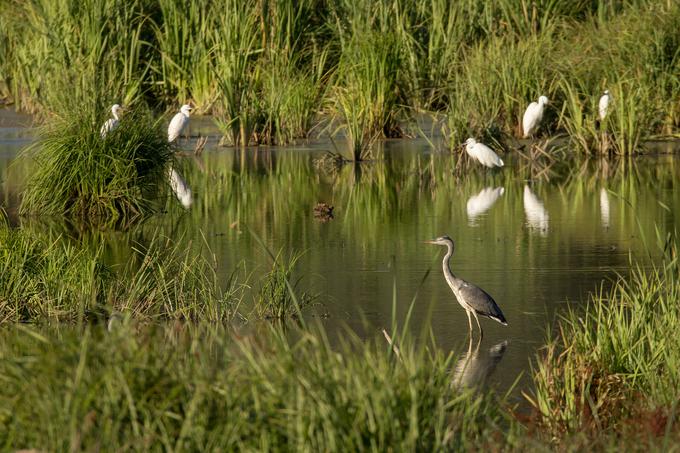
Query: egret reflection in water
{"points": [[604, 207], [482, 202], [180, 188], [537, 216], [475, 366]]}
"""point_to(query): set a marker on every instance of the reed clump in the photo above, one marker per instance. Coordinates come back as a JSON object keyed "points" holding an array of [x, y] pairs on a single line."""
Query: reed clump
{"points": [[109, 180], [266, 69]]}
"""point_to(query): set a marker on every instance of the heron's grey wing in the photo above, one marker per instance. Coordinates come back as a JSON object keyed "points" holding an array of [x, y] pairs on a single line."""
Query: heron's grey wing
{"points": [[480, 301]]}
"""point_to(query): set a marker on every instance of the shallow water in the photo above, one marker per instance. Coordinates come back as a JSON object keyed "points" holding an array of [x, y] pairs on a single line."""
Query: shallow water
{"points": [[533, 244]]}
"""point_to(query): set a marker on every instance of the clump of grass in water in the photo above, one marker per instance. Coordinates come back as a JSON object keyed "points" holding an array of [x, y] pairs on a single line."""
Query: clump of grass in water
{"points": [[44, 281], [277, 297], [109, 181]]}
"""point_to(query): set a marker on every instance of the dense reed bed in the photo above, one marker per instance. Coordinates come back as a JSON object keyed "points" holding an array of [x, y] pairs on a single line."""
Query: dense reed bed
{"points": [[267, 70]]}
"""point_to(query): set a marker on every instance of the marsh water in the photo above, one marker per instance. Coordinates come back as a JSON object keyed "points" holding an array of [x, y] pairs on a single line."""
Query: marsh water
{"points": [[535, 239]]}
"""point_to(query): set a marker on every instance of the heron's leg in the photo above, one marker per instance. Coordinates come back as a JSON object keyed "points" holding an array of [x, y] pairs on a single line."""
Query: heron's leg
{"points": [[469, 322], [481, 332]]}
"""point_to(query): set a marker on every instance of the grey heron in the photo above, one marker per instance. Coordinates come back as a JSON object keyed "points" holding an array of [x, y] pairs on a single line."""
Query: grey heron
{"points": [[474, 300]]}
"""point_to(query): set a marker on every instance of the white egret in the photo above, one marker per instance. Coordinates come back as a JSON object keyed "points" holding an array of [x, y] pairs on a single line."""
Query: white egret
{"points": [[482, 153], [482, 202], [533, 116], [111, 124], [179, 122], [537, 216], [180, 188], [603, 105]]}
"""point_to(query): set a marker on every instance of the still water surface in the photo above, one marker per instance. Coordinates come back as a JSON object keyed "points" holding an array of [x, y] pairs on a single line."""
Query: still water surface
{"points": [[533, 244]]}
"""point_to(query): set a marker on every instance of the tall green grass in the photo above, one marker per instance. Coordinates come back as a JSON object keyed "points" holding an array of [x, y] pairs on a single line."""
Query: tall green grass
{"points": [[48, 280], [193, 388], [70, 51], [110, 181], [266, 69], [616, 362]]}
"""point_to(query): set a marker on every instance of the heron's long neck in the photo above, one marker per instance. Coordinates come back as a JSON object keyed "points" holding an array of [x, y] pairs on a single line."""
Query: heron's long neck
{"points": [[445, 264], [115, 115]]}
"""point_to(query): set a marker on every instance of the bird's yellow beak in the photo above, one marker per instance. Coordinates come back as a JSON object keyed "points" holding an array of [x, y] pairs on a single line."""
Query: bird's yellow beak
{"points": [[429, 242]]}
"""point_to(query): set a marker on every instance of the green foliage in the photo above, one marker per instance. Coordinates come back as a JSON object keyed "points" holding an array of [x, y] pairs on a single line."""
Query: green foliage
{"points": [[97, 180], [266, 69], [202, 389], [616, 360], [277, 297], [47, 280]]}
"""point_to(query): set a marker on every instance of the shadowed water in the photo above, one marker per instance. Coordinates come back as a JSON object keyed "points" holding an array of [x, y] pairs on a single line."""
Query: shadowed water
{"points": [[534, 245]]}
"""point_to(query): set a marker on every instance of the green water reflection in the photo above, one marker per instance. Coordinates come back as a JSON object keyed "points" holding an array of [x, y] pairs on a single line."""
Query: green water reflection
{"points": [[533, 245]]}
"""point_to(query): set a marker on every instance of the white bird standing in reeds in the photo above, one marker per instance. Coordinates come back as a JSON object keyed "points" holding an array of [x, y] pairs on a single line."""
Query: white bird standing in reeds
{"points": [[603, 105], [111, 124], [482, 153], [179, 123], [533, 116]]}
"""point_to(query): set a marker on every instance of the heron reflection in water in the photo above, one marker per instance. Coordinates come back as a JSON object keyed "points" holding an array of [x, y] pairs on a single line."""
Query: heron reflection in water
{"points": [[475, 366], [482, 202], [474, 300]]}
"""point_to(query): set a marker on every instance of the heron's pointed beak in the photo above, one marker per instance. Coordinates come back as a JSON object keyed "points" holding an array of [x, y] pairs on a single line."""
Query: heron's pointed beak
{"points": [[430, 242]]}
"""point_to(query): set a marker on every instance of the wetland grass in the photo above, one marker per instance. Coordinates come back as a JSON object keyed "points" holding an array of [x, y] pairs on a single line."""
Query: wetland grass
{"points": [[101, 181], [615, 366], [45, 280], [266, 69], [277, 297], [185, 387]]}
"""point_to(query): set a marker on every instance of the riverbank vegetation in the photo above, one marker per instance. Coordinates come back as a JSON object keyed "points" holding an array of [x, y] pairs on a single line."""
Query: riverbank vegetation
{"points": [[268, 69]]}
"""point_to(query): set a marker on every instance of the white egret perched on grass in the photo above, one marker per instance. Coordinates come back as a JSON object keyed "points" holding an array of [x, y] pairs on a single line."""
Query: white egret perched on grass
{"points": [[179, 122], [533, 116], [111, 124], [603, 105], [482, 153]]}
